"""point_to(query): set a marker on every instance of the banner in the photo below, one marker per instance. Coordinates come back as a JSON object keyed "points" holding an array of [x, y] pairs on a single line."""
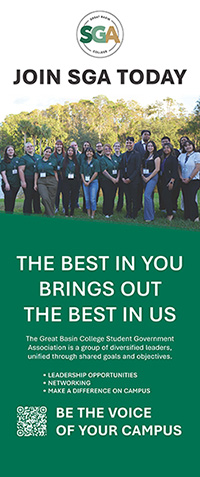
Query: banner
{"points": [[99, 319]]}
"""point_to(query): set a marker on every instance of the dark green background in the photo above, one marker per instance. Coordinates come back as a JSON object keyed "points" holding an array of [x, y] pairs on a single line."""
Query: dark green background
{"points": [[174, 384]]}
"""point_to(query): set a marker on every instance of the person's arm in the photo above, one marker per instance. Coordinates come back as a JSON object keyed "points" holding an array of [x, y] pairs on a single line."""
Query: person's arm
{"points": [[106, 174], [117, 178], [180, 172], [56, 175], [7, 185], [86, 184], [193, 174], [35, 180], [93, 177], [174, 175], [22, 177]]}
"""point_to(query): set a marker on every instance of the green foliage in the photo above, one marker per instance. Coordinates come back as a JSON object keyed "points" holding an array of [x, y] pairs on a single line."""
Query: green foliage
{"points": [[192, 126], [99, 120]]}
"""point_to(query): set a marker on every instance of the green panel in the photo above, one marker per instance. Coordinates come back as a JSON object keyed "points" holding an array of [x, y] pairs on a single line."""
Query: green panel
{"points": [[173, 383]]}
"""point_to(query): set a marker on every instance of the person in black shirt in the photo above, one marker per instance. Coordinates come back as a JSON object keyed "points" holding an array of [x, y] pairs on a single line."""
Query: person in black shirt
{"points": [[160, 153], [130, 167], [169, 178], [150, 169]]}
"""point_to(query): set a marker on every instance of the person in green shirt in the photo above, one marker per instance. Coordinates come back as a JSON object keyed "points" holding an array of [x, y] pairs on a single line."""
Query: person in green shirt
{"points": [[46, 180], [109, 179], [89, 172], [26, 172], [10, 176], [59, 154], [75, 145], [71, 180]]}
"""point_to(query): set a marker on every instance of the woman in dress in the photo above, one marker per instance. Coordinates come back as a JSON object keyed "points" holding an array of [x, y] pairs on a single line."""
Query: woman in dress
{"points": [[89, 172], [46, 180], [149, 172], [10, 176], [189, 172]]}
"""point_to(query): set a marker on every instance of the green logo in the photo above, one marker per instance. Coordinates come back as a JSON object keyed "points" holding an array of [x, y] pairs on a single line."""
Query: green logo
{"points": [[100, 34]]}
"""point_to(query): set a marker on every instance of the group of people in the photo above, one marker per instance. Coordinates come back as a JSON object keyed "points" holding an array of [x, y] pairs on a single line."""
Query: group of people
{"points": [[136, 171]]}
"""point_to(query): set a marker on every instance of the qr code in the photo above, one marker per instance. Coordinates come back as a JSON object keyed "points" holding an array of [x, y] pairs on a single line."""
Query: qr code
{"points": [[31, 421]]}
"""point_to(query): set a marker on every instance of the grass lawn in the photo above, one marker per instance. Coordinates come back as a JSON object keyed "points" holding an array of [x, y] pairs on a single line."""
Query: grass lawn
{"points": [[119, 217]]}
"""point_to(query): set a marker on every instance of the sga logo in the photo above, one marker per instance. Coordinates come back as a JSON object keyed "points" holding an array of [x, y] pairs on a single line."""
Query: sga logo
{"points": [[100, 34]]}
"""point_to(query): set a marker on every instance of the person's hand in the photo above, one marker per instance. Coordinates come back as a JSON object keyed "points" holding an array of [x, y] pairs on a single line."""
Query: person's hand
{"points": [[7, 187], [35, 187], [186, 181], [23, 184], [170, 185]]}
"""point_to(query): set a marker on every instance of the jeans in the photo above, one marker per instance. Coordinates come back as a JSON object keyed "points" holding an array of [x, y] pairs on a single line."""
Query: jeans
{"points": [[148, 198], [90, 193]]}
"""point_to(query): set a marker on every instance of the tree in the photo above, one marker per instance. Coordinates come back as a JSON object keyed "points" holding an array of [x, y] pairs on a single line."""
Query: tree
{"points": [[45, 133], [25, 128]]}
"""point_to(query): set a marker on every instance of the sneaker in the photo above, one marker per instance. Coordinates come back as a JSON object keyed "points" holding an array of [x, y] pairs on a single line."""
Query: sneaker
{"points": [[63, 210], [56, 210], [107, 216]]}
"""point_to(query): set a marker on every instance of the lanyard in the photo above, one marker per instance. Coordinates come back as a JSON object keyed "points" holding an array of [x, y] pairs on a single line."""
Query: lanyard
{"points": [[88, 170], [188, 156], [71, 165], [148, 159]]}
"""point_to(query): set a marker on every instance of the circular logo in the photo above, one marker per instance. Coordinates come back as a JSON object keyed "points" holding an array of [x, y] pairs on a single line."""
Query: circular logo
{"points": [[100, 34]]}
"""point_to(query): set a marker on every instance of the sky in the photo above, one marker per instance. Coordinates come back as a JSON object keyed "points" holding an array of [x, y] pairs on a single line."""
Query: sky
{"points": [[42, 35]]}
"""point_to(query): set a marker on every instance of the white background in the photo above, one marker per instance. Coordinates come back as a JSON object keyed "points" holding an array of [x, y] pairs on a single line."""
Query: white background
{"points": [[42, 34]]}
